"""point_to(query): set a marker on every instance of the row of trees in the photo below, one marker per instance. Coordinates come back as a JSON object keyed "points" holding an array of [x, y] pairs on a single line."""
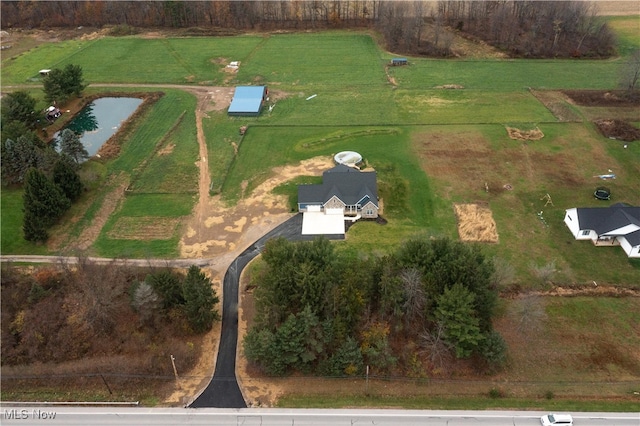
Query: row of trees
{"points": [[318, 311], [522, 28]]}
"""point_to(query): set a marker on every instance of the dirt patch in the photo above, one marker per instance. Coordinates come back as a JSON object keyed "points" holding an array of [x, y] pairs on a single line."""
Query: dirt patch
{"points": [[167, 149], [618, 129], [525, 135], [602, 98], [475, 223]]}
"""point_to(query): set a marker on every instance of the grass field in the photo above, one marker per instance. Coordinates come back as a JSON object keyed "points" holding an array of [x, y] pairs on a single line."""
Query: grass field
{"points": [[406, 130], [432, 148]]}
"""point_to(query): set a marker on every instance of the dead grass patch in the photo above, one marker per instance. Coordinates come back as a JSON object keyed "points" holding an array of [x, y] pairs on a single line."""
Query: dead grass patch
{"points": [[558, 104], [475, 223], [144, 228], [167, 149], [525, 135]]}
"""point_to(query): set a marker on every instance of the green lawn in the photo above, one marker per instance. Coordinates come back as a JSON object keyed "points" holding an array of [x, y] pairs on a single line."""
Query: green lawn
{"points": [[357, 107]]}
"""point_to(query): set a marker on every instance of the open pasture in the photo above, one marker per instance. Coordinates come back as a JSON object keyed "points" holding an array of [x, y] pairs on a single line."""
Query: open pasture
{"points": [[444, 145]]}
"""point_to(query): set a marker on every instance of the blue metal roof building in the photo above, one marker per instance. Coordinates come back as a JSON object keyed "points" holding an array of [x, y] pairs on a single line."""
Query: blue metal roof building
{"points": [[247, 100]]}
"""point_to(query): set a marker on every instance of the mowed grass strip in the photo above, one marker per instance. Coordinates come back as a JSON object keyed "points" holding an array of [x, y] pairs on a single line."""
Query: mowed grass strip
{"points": [[11, 236], [445, 106], [134, 213], [24, 68], [312, 62], [151, 130], [507, 75], [171, 168]]}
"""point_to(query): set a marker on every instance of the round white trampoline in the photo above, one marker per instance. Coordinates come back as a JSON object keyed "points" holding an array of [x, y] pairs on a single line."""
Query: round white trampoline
{"points": [[348, 158]]}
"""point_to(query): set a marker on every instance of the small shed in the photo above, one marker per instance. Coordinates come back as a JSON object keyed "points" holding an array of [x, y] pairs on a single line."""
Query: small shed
{"points": [[247, 100], [399, 61]]}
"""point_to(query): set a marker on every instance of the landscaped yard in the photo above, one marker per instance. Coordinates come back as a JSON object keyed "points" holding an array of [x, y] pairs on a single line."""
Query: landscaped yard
{"points": [[432, 148]]}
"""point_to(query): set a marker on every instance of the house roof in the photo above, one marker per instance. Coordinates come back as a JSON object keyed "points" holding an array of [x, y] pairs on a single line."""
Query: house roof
{"points": [[611, 221], [350, 185], [247, 100]]}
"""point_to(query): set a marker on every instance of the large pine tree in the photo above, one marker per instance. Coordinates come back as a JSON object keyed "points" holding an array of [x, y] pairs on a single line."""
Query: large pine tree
{"points": [[200, 300], [66, 178], [44, 203]]}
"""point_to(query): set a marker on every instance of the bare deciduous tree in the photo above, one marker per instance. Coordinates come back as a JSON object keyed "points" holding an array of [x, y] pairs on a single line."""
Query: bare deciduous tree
{"points": [[530, 314], [434, 345], [414, 295]]}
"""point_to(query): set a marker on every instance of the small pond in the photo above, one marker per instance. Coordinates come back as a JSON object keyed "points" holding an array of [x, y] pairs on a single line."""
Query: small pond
{"points": [[100, 119]]}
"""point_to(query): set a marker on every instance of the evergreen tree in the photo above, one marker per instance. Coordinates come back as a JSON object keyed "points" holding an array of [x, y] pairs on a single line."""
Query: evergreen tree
{"points": [[71, 146], [19, 106], [73, 79], [168, 286], [17, 158], [44, 203], [66, 178], [200, 300], [53, 86], [456, 313], [60, 84]]}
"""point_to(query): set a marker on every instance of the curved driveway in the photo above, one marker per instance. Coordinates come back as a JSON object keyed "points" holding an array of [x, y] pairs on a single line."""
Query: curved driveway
{"points": [[223, 390]]}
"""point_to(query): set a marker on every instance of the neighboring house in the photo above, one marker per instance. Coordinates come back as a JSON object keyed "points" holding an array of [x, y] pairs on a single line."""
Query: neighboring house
{"points": [[346, 193], [612, 226]]}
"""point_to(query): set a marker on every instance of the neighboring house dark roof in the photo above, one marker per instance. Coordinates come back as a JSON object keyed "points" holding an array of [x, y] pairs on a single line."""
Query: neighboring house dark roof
{"points": [[606, 220], [350, 185], [247, 100]]}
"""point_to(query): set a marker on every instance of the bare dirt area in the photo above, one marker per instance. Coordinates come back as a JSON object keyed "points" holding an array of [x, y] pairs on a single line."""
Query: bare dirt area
{"points": [[606, 102], [602, 98], [618, 129]]}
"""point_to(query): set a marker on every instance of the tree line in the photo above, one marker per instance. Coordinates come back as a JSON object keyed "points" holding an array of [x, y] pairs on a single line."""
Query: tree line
{"points": [[412, 312], [48, 174], [520, 28]]}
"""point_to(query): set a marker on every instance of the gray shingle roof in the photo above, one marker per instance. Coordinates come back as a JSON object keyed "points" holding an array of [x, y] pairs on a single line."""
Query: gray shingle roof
{"points": [[605, 220], [348, 184]]}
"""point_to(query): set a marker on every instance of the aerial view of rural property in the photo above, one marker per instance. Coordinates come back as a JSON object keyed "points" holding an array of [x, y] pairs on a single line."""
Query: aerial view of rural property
{"points": [[321, 204]]}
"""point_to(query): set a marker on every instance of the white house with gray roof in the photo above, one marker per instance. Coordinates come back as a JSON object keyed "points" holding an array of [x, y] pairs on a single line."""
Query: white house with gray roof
{"points": [[617, 225], [346, 193]]}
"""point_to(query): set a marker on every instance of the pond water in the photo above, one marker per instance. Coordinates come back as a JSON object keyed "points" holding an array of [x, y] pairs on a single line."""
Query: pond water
{"points": [[100, 119]]}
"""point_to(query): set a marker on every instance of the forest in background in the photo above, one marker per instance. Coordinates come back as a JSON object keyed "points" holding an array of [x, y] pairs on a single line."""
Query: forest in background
{"points": [[520, 28]]}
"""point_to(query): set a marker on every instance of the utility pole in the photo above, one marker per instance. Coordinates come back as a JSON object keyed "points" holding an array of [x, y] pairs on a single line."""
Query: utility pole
{"points": [[175, 371]]}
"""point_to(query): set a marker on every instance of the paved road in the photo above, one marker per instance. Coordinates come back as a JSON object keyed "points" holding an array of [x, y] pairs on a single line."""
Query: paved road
{"points": [[223, 390], [109, 416]]}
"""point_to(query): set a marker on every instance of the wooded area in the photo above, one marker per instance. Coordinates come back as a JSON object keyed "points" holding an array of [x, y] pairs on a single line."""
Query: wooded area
{"points": [[520, 28], [413, 312]]}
